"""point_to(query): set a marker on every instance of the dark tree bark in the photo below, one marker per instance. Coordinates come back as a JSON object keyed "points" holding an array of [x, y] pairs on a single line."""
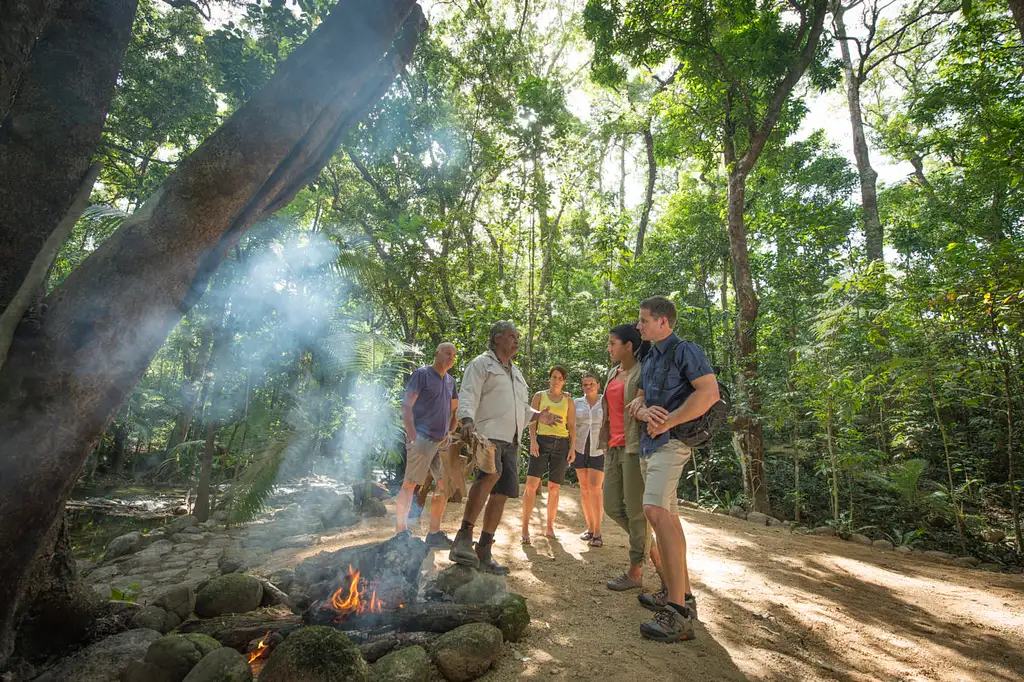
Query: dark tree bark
{"points": [[740, 164], [21, 22], [61, 385], [48, 136], [652, 175], [1017, 9]]}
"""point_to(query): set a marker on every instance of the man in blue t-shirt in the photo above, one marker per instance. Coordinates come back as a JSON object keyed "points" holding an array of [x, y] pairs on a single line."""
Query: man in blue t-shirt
{"points": [[677, 385], [428, 414]]}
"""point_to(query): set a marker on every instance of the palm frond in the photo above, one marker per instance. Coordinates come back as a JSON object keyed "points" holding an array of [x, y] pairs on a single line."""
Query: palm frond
{"points": [[254, 485]]}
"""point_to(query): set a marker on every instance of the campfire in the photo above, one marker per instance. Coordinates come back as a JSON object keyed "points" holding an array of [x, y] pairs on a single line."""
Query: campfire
{"points": [[355, 602], [358, 602], [259, 650]]}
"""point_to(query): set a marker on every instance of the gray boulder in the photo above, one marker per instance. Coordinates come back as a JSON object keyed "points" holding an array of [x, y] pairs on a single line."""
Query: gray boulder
{"points": [[936, 554], [373, 507], [178, 654], [155, 618], [737, 512], [103, 661], [154, 553], [140, 671], [122, 545], [179, 524], [222, 665], [757, 518], [315, 654], [775, 523], [179, 600], [993, 535], [296, 541], [515, 617], [468, 651], [479, 590], [903, 549], [882, 544], [231, 593], [967, 561], [236, 561], [825, 531], [405, 665], [860, 539], [454, 577]]}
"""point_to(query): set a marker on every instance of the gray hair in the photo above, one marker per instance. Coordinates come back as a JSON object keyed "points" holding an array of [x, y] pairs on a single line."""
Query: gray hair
{"points": [[497, 329]]}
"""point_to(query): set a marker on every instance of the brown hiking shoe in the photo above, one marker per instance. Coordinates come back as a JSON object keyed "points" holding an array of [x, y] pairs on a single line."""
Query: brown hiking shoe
{"points": [[669, 626], [656, 601], [487, 562], [462, 550]]}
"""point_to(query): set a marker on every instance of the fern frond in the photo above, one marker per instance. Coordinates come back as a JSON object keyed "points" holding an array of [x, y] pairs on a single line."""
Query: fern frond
{"points": [[257, 481]]}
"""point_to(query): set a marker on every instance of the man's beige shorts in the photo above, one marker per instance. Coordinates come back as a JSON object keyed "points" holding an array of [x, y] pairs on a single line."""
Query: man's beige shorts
{"points": [[661, 473]]}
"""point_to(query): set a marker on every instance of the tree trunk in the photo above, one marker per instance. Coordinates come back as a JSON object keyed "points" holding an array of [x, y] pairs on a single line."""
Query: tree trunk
{"points": [[873, 231], [117, 455], [54, 123], [21, 23], [746, 341], [652, 174], [60, 387], [1017, 9], [202, 510]]}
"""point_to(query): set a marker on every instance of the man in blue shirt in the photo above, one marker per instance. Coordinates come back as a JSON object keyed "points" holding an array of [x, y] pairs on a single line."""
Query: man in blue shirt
{"points": [[428, 415], [677, 385]]}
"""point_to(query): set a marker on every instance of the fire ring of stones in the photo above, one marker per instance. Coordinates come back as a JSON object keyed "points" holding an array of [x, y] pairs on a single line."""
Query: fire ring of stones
{"points": [[358, 613]]}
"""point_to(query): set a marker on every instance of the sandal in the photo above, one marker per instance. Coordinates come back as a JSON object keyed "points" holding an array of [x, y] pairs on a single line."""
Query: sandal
{"points": [[596, 541], [586, 536]]}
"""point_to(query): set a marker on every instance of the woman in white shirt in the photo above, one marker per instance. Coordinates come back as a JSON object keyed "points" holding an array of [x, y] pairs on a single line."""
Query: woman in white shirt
{"points": [[589, 462]]}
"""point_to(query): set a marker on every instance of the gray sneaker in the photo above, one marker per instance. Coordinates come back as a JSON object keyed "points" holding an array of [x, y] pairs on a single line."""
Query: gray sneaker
{"points": [[623, 582], [439, 540], [463, 551], [669, 626], [656, 601]]}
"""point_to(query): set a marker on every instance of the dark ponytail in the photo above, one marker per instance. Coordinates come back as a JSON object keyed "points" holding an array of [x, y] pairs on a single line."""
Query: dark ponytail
{"points": [[628, 333]]}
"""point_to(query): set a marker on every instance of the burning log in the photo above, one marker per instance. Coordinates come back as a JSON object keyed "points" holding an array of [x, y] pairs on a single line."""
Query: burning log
{"points": [[427, 617], [237, 630]]}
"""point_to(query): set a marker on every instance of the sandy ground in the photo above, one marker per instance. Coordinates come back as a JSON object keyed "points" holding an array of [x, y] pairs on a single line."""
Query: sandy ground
{"points": [[773, 606]]}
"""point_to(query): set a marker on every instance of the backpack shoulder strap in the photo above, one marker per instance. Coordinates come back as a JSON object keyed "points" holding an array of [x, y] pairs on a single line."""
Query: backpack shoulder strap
{"points": [[671, 355]]}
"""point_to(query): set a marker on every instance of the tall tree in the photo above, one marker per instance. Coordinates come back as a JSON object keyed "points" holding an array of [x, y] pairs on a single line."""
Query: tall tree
{"points": [[62, 383], [739, 67]]}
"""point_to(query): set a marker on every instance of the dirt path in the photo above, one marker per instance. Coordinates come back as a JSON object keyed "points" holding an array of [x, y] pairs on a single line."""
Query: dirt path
{"points": [[773, 606]]}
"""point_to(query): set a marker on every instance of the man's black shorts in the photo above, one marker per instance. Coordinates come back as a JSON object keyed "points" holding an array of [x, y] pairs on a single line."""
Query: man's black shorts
{"points": [[553, 459], [506, 465]]}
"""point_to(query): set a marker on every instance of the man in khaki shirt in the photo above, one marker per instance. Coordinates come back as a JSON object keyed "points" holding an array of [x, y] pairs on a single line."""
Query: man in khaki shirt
{"points": [[494, 402]]}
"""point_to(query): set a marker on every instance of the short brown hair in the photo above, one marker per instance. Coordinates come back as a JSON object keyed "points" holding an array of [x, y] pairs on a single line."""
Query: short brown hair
{"points": [[590, 375], [659, 306], [560, 370]]}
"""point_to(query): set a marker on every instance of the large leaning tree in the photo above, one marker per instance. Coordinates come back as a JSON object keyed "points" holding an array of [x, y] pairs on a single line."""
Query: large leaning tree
{"points": [[72, 362]]}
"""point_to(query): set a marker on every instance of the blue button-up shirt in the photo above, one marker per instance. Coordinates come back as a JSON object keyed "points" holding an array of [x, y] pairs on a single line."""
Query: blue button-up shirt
{"points": [[677, 373]]}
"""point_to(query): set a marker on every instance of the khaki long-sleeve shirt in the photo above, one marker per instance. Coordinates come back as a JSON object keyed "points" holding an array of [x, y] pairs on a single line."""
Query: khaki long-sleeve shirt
{"points": [[495, 398]]}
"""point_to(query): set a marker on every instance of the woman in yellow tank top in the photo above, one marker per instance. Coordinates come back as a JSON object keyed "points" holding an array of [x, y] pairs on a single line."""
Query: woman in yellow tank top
{"points": [[551, 449]]}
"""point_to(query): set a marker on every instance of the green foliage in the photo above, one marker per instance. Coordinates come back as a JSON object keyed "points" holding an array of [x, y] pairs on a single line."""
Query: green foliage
{"points": [[128, 594]]}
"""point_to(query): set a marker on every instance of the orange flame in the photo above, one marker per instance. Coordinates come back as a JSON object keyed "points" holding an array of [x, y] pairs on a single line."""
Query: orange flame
{"points": [[355, 601], [262, 649]]}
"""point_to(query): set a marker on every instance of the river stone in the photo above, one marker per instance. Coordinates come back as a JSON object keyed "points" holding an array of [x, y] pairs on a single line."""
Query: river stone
{"points": [[122, 545], [967, 561], [295, 541], [826, 531], [454, 577], [410, 664], [882, 544], [179, 524], [180, 600], [155, 618], [231, 593], [737, 512], [992, 568], [775, 523], [140, 671], [373, 507], [178, 654], [191, 530], [468, 651], [757, 518], [479, 589], [514, 615], [903, 549], [155, 552], [236, 561], [936, 554], [104, 660], [222, 665], [860, 539], [315, 654]]}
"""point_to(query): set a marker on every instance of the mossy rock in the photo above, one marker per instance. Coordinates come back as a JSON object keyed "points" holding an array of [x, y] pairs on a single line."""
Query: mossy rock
{"points": [[176, 655], [468, 651], [222, 665], [454, 577], [515, 617], [315, 654], [410, 664], [480, 589], [231, 593]]}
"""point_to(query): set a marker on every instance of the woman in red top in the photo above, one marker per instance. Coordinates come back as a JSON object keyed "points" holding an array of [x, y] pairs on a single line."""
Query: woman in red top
{"points": [[620, 438]]}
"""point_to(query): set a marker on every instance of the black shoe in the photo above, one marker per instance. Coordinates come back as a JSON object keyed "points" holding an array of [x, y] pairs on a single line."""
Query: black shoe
{"points": [[669, 626], [487, 562], [462, 550], [439, 540]]}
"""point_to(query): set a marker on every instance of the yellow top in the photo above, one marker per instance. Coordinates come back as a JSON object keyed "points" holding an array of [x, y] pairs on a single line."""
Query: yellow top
{"points": [[561, 408]]}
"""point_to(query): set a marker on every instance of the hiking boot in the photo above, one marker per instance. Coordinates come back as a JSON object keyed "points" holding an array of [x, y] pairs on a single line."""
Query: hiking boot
{"points": [[439, 540], [623, 582], [487, 562], [669, 626], [656, 601], [462, 550]]}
